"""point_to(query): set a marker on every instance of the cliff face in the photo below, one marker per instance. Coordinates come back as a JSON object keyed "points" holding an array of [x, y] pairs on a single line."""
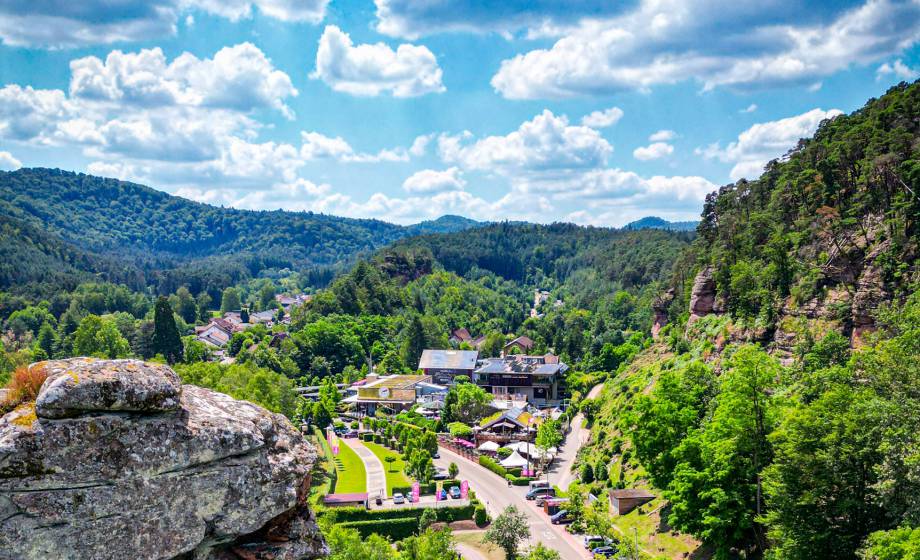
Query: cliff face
{"points": [[116, 459]]}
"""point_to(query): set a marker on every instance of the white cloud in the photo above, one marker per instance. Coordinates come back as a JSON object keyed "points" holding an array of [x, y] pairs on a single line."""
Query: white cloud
{"points": [[69, 23], [544, 144], [655, 150], [8, 162], [662, 136], [750, 108], [602, 119], [372, 69], [713, 43], [319, 146], [239, 77], [766, 141], [431, 181], [419, 146], [413, 18], [897, 69]]}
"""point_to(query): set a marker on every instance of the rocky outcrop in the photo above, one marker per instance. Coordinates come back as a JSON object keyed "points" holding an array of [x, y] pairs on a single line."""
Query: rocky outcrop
{"points": [[703, 300], [660, 311], [116, 460], [870, 292]]}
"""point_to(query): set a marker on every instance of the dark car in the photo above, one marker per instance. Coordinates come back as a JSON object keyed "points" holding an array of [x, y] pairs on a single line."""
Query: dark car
{"points": [[542, 492], [595, 541], [440, 475], [455, 492], [605, 551], [435, 455], [559, 517]]}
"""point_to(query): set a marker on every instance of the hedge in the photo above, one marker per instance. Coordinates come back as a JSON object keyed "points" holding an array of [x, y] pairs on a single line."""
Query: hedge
{"points": [[367, 436], [397, 529], [359, 514], [492, 465], [518, 480], [480, 516]]}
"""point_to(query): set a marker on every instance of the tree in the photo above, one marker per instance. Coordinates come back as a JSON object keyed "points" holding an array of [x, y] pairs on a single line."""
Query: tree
{"points": [[230, 300], [244, 315], [549, 436], [453, 470], [266, 296], [186, 306], [508, 531], [430, 545], [348, 544], [47, 339], [575, 507], [427, 519], [166, 339], [101, 338], [203, 302], [467, 403], [389, 460], [898, 544], [541, 552], [415, 342]]}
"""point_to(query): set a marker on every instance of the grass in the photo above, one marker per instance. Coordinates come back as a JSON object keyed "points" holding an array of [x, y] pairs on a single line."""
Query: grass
{"points": [[473, 539], [395, 471], [658, 543], [350, 469]]}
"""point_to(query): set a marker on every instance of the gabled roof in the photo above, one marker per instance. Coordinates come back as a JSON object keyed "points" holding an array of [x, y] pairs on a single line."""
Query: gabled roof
{"points": [[516, 416], [448, 359], [631, 493], [523, 341], [462, 334]]}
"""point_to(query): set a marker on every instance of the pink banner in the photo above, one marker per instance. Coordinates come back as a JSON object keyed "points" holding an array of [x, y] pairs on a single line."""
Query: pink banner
{"points": [[437, 493], [464, 489], [415, 491], [333, 441]]}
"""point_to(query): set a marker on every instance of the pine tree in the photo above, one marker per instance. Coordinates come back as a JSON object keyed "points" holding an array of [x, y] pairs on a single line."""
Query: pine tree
{"points": [[415, 342], [166, 339], [46, 339]]}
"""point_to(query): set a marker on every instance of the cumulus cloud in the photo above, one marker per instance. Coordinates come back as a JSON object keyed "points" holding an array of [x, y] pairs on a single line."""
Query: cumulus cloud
{"points": [[897, 69], [372, 69], [544, 144], [8, 162], [411, 18], [662, 136], [764, 142], [714, 43], [750, 108], [68, 24], [602, 119], [432, 181], [319, 146], [655, 150], [240, 77]]}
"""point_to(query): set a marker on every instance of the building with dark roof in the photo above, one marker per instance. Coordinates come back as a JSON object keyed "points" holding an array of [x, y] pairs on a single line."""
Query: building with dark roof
{"points": [[624, 500], [536, 378], [520, 345], [445, 365]]}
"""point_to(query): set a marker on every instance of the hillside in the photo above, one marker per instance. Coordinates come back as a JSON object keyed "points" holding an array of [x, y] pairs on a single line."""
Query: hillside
{"points": [[777, 413], [158, 236], [654, 222]]}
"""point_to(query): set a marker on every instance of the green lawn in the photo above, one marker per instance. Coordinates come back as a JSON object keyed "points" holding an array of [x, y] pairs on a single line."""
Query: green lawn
{"points": [[350, 469], [395, 471]]}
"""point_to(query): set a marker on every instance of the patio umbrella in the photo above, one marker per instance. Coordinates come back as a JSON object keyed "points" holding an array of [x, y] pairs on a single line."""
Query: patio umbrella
{"points": [[489, 446]]}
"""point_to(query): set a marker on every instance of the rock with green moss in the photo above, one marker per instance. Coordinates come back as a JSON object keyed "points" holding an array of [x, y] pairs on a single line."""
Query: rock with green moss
{"points": [[211, 478]]}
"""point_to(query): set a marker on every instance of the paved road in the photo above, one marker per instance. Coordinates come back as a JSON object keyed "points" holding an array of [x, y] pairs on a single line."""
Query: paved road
{"points": [[561, 472], [376, 477], [497, 495]]}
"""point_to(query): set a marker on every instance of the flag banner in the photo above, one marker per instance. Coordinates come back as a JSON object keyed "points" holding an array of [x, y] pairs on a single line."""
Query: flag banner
{"points": [[464, 489]]}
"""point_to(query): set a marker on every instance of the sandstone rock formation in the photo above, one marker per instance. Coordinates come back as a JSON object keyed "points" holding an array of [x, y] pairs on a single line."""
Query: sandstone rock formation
{"points": [[116, 460], [660, 310], [703, 295]]}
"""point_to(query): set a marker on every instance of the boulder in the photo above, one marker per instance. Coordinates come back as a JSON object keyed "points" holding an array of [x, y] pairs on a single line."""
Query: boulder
{"points": [[206, 477], [703, 294], [81, 385]]}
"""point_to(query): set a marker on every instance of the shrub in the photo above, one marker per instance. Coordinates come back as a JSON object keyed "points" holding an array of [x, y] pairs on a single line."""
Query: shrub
{"points": [[396, 529], [23, 386], [459, 429], [367, 436], [492, 465], [480, 516], [518, 480]]}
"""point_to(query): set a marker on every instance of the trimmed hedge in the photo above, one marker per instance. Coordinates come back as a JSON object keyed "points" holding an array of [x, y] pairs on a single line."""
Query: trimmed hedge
{"points": [[397, 529], [518, 480], [492, 465], [359, 514], [480, 516], [367, 436], [428, 488]]}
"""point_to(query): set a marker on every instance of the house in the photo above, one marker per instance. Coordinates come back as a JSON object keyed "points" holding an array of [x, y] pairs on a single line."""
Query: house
{"points": [[445, 365], [539, 379], [217, 333], [506, 425], [394, 392], [625, 500], [459, 336], [289, 302], [520, 345], [266, 317]]}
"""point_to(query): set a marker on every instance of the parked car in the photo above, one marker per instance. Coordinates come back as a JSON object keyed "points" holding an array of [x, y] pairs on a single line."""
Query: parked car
{"points": [[442, 494], [543, 492], [537, 484], [351, 434], [436, 455], [440, 475], [605, 551], [455, 492], [559, 517], [595, 541], [398, 498]]}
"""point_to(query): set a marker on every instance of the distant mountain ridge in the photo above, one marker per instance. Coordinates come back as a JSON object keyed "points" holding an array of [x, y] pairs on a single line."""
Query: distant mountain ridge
{"points": [[654, 222]]}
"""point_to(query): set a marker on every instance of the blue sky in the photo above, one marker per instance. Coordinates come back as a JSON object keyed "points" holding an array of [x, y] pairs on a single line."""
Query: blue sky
{"points": [[587, 111]]}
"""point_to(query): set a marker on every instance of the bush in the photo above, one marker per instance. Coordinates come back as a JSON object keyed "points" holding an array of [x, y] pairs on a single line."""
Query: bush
{"points": [[367, 436], [396, 529], [480, 516], [459, 429], [518, 480], [24, 386], [492, 465]]}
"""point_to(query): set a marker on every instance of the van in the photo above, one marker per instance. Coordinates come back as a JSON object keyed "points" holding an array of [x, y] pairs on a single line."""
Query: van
{"points": [[544, 492], [537, 484]]}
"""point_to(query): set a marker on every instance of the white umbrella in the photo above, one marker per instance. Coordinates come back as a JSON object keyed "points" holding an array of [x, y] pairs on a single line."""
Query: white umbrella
{"points": [[514, 460], [490, 446], [515, 445]]}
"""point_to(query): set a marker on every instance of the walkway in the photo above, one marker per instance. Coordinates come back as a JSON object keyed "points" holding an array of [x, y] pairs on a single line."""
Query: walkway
{"points": [[376, 477], [577, 438]]}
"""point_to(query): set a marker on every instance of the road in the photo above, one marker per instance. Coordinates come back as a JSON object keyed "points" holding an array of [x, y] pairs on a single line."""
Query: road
{"points": [[561, 472], [376, 478], [497, 495]]}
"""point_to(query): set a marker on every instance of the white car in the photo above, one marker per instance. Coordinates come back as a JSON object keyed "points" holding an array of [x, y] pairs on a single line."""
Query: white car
{"points": [[398, 498]]}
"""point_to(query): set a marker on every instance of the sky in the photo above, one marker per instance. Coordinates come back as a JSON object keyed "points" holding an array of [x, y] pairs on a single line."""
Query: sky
{"points": [[588, 111]]}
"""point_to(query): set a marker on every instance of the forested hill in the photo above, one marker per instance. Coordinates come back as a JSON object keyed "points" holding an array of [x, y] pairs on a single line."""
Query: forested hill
{"points": [[827, 233], [71, 224], [584, 265], [654, 222]]}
